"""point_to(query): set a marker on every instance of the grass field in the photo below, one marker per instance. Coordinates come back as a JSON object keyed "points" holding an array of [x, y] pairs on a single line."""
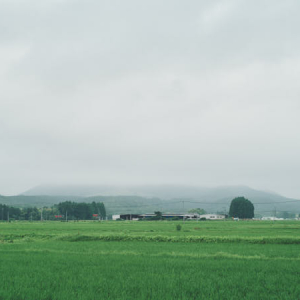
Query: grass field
{"points": [[150, 260]]}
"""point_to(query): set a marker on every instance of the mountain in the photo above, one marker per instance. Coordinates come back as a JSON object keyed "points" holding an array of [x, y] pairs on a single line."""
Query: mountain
{"points": [[38, 200], [113, 204], [166, 192], [168, 198]]}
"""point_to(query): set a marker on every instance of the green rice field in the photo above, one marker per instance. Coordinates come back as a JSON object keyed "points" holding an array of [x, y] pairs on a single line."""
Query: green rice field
{"points": [[150, 260]]}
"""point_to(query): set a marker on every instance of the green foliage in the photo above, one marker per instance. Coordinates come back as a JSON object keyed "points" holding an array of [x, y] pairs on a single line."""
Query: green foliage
{"points": [[182, 239], [154, 218], [127, 271], [284, 232], [241, 207], [81, 210], [75, 210], [285, 215], [15, 213], [178, 227], [149, 260], [158, 214], [199, 211]]}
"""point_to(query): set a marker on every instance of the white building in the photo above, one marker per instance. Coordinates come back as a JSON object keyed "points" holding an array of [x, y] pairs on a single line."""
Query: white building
{"points": [[271, 219], [212, 217]]}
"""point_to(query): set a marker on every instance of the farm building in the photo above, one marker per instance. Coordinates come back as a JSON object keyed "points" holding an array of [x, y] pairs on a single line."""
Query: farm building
{"points": [[148, 216], [271, 219], [171, 216], [212, 217], [133, 217], [136, 217]]}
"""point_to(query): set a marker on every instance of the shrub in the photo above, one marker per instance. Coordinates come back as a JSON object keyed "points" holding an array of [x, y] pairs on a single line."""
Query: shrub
{"points": [[178, 227]]}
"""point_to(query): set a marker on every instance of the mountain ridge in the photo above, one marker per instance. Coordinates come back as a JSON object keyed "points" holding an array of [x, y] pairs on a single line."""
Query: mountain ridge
{"points": [[166, 191], [168, 198]]}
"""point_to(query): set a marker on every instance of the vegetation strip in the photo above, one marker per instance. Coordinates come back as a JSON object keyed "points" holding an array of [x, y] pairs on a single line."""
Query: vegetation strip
{"points": [[186, 239], [160, 254], [158, 238]]}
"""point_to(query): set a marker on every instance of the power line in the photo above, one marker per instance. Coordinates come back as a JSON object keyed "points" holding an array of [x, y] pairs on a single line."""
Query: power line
{"points": [[223, 203], [278, 202], [198, 202], [264, 211], [140, 205]]}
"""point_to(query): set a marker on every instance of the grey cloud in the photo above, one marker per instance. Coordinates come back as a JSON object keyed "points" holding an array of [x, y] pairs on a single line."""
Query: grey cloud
{"points": [[194, 92]]}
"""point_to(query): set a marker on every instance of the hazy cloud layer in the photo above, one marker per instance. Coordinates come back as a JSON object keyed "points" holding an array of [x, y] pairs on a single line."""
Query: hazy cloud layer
{"points": [[191, 92]]}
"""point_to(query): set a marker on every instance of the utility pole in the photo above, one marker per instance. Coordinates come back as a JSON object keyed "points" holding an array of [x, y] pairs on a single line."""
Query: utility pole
{"points": [[274, 211], [99, 215], [8, 215], [41, 214], [66, 216], [2, 213]]}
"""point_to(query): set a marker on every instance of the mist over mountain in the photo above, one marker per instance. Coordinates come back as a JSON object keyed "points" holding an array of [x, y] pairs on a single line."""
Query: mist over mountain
{"points": [[165, 192], [168, 198]]}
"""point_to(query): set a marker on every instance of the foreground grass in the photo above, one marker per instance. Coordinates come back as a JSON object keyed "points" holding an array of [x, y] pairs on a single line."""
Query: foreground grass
{"points": [[38, 261], [147, 228]]}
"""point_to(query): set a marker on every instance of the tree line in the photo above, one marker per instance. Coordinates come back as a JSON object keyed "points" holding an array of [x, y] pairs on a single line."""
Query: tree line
{"points": [[81, 210], [63, 211]]}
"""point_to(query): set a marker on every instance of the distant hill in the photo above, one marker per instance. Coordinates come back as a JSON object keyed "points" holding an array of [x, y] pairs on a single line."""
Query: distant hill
{"points": [[38, 201], [77, 190], [168, 198], [166, 192], [113, 204]]}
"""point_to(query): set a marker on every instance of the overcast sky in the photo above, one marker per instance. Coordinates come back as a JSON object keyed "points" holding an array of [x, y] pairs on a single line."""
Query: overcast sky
{"points": [[150, 92]]}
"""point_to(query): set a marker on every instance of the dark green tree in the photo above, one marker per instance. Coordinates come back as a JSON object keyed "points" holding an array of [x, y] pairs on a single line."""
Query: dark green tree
{"points": [[199, 211], [31, 214], [8, 212], [102, 210], [99, 209], [66, 208], [158, 216], [82, 211], [241, 207]]}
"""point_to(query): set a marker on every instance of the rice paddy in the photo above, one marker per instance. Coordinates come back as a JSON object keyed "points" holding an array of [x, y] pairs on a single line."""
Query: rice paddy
{"points": [[150, 260]]}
